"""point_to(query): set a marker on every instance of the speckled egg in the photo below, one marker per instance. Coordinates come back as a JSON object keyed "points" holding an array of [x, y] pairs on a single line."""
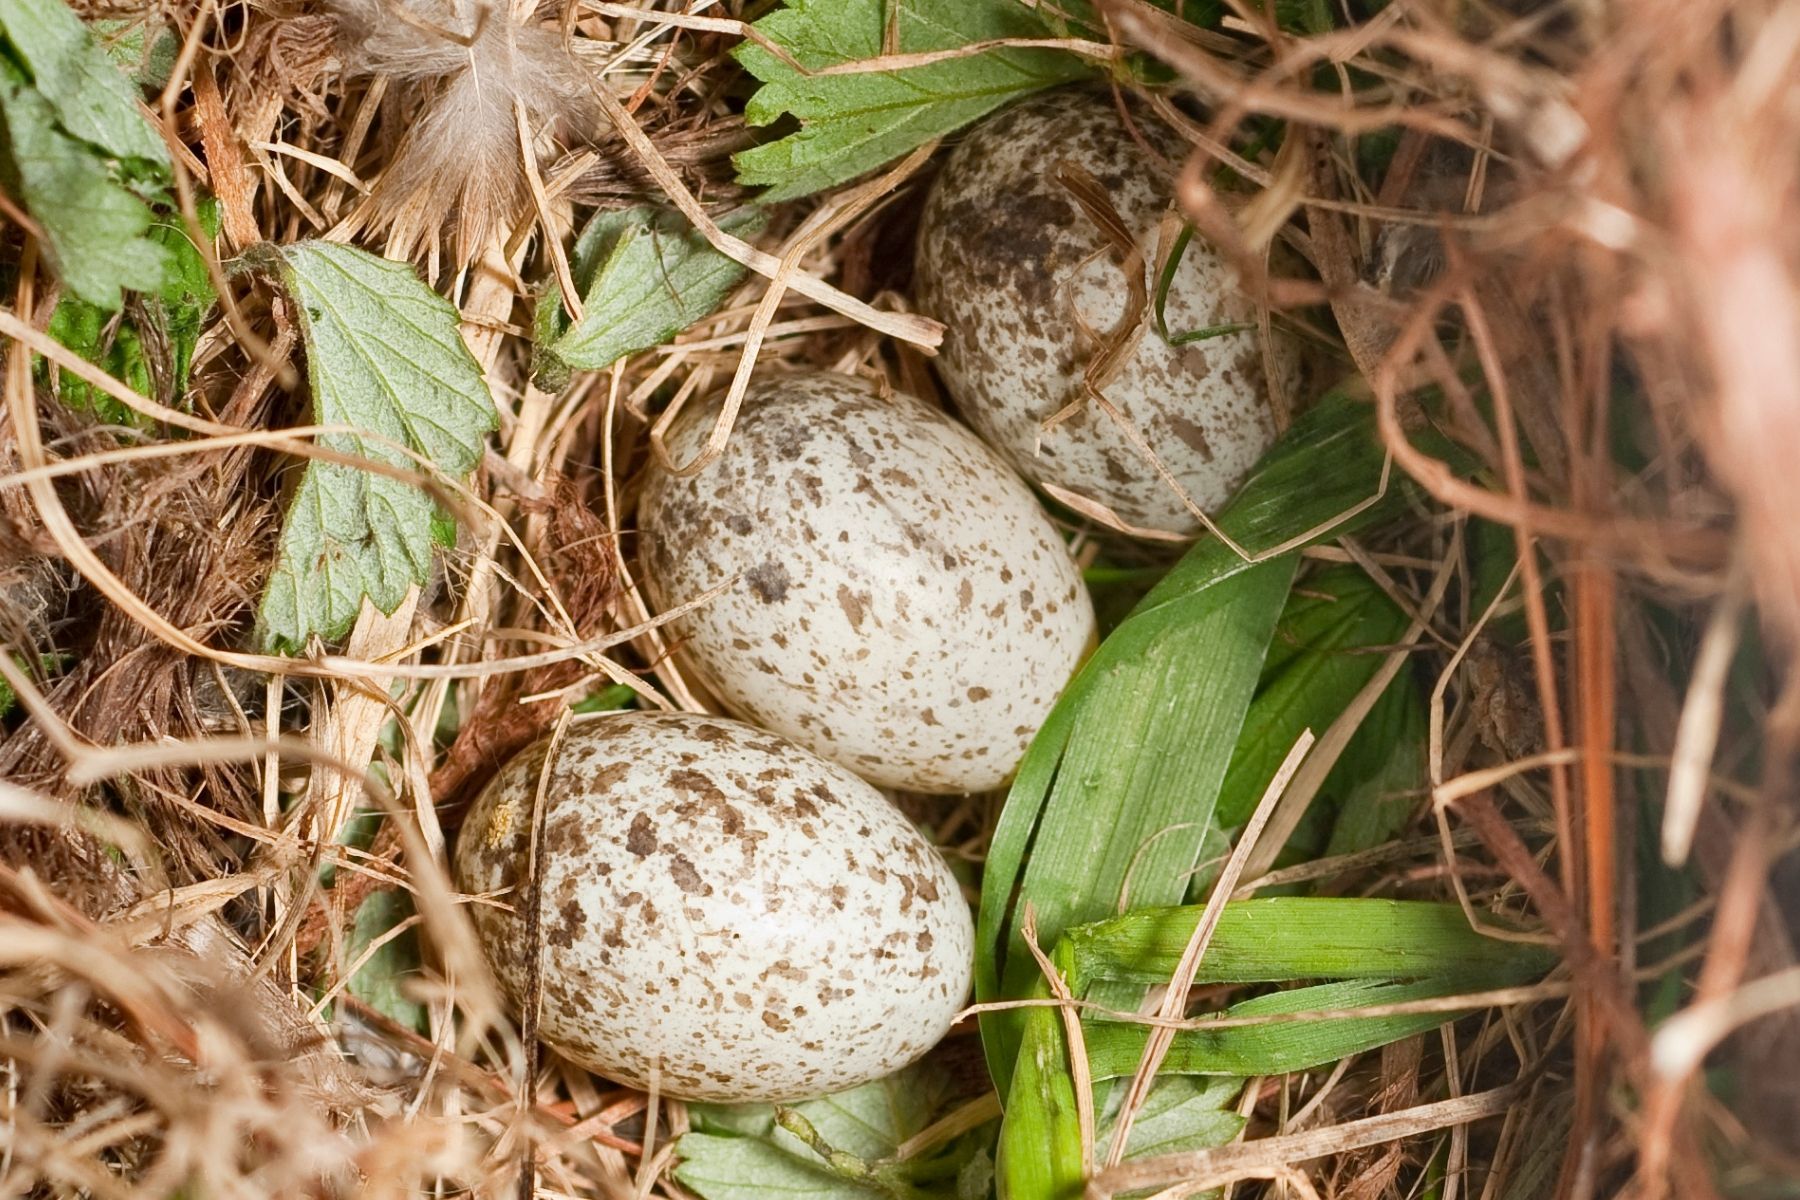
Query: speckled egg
{"points": [[719, 908], [902, 606], [1027, 285]]}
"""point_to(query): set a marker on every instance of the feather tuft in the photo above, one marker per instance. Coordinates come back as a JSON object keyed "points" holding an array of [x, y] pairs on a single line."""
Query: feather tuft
{"points": [[459, 73]]}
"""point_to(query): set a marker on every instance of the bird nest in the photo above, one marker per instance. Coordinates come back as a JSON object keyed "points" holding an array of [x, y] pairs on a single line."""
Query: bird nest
{"points": [[1546, 249]]}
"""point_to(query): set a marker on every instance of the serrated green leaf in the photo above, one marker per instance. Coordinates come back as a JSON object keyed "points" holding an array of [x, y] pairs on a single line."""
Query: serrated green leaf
{"points": [[738, 1152], [93, 225], [141, 46], [174, 312], [383, 355], [853, 123], [76, 145], [645, 276], [91, 100], [1182, 1112], [381, 981]]}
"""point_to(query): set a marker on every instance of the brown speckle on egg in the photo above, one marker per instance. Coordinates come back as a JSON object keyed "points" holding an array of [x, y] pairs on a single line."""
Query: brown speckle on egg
{"points": [[710, 932], [903, 606], [1026, 287]]}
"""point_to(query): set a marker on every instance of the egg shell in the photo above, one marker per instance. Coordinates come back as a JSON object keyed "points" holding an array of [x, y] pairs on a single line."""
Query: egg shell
{"points": [[720, 906], [903, 606], [1025, 283]]}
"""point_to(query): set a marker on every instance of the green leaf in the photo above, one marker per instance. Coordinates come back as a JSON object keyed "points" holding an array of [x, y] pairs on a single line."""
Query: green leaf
{"points": [[1123, 776], [93, 225], [1180, 1113], [739, 1152], [1285, 938], [383, 355], [380, 983], [76, 145], [174, 313], [141, 46], [645, 276], [1377, 952], [1115, 1048], [853, 123], [8, 697], [746, 1168], [1495, 552], [1330, 641], [49, 663], [611, 698], [1317, 664], [91, 100], [1381, 776]]}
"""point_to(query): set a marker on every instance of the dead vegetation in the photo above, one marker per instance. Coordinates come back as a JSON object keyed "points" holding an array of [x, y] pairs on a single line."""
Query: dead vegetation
{"points": [[1583, 243]]}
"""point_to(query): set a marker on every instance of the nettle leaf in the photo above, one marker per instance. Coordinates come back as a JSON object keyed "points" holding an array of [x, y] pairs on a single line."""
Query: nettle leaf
{"points": [[174, 313], [740, 1152], [853, 123], [141, 46], [384, 355], [1182, 1112], [76, 144], [93, 225], [93, 102], [645, 275]]}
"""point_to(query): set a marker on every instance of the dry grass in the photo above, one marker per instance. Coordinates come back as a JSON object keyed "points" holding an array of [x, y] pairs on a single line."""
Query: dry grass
{"points": [[1584, 242]]}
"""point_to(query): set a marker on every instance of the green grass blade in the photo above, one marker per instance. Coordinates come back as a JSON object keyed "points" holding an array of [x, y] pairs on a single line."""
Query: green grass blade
{"points": [[1123, 776], [1115, 1048], [1286, 938], [1374, 952], [1039, 1150], [1316, 665], [1382, 775], [1147, 754]]}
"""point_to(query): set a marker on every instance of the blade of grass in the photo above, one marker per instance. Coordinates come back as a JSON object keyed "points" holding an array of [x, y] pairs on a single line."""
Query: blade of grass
{"points": [[1117, 790], [1248, 1050], [1181, 980], [1316, 665], [1301, 937], [1376, 952], [1299, 796]]}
